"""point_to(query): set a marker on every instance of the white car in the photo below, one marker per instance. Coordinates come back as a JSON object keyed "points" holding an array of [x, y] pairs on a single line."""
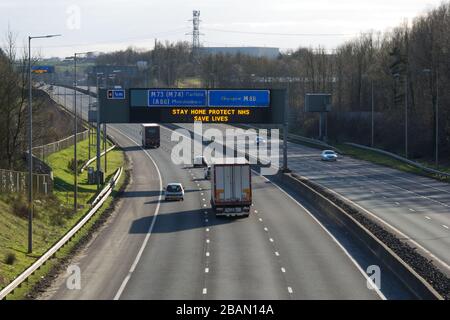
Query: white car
{"points": [[174, 191], [329, 155], [259, 140]]}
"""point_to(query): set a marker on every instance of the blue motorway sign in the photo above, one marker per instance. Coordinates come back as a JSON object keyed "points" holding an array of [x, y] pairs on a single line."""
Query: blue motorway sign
{"points": [[177, 98], [116, 94], [239, 98], [42, 69]]}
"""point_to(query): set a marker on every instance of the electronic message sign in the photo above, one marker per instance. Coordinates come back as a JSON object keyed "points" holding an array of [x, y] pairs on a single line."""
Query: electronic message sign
{"points": [[173, 105]]}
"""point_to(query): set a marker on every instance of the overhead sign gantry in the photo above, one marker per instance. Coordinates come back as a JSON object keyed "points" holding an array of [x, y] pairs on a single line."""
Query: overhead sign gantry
{"points": [[170, 105]]}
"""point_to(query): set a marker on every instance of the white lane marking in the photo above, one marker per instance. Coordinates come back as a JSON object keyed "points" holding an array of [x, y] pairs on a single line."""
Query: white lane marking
{"points": [[149, 231], [201, 193], [290, 290], [207, 253], [256, 211], [206, 270], [412, 210], [205, 291], [122, 286], [271, 240], [277, 254], [283, 270], [199, 188], [265, 229], [380, 294], [260, 219], [204, 205], [206, 212], [206, 220], [207, 240], [397, 203], [203, 199], [446, 227], [207, 229], [427, 217]]}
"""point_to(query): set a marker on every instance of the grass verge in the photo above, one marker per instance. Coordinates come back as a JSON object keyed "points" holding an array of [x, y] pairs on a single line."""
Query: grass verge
{"points": [[52, 219], [383, 160]]}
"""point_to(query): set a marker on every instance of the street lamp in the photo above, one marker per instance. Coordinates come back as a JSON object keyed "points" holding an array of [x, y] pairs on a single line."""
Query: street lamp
{"points": [[436, 111], [30, 142], [372, 119], [75, 195], [397, 75]]}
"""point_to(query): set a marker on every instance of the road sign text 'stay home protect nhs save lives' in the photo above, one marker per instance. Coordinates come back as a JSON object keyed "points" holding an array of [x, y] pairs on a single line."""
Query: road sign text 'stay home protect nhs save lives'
{"points": [[116, 94]]}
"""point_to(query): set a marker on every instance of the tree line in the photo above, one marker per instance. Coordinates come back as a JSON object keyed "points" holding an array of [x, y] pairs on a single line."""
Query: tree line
{"points": [[47, 126], [405, 72]]}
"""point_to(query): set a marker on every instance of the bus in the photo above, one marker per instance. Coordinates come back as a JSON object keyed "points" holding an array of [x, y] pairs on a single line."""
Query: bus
{"points": [[150, 135]]}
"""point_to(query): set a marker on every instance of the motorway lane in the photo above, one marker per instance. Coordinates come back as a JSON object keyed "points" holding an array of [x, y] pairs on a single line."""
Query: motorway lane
{"points": [[171, 265], [102, 263], [417, 206], [191, 254], [195, 254]]}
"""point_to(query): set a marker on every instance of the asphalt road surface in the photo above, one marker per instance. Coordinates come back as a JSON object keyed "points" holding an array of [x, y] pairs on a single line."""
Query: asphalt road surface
{"points": [[152, 249], [417, 207]]}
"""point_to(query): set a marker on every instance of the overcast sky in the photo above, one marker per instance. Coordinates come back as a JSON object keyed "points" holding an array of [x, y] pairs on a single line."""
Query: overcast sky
{"points": [[106, 25]]}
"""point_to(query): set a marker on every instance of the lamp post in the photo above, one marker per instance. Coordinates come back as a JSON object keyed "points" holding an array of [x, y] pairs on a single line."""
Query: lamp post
{"points": [[75, 194], [372, 113], [397, 75], [30, 142], [436, 115]]}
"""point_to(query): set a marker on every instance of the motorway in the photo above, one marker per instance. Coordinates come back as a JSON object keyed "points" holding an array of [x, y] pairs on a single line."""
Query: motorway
{"points": [[152, 249]]}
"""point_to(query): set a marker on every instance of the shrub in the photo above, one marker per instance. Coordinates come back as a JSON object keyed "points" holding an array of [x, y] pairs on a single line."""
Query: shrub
{"points": [[20, 206], [10, 258], [71, 164]]}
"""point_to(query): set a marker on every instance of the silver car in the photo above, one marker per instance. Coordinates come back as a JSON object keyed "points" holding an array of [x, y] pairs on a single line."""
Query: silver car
{"points": [[329, 155], [174, 191]]}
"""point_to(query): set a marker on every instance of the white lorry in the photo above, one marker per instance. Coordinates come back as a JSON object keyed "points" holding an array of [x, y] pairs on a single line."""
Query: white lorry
{"points": [[231, 187]]}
